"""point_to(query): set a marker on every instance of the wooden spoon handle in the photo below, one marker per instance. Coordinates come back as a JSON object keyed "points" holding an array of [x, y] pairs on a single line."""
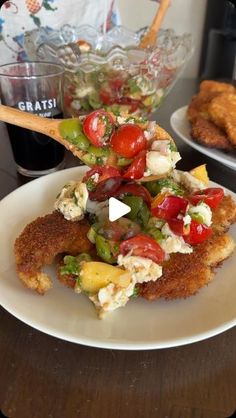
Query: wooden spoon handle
{"points": [[157, 21], [150, 38], [27, 120]]}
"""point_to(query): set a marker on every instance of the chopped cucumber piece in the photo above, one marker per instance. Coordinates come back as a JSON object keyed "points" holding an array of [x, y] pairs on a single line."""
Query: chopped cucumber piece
{"points": [[89, 159], [98, 151], [70, 128], [122, 161]]}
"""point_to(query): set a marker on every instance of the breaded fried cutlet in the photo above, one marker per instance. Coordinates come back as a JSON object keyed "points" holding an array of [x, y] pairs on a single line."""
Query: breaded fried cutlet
{"points": [[230, 127], [199, 104], [208, 90], [222, 107], [216, 86], [224, 215], [41, 241], [208, 134], [222, 111], [184, 274]]}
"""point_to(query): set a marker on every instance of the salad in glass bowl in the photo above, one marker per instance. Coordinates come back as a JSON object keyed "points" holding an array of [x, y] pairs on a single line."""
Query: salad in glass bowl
{"points": [[110, 70]]}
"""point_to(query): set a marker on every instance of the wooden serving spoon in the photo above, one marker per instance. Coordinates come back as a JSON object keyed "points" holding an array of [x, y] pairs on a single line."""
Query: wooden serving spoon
{"points": [[49, 127], [149, 39]]}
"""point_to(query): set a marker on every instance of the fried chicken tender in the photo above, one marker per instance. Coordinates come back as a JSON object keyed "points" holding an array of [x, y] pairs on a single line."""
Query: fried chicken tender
{"points": [[212, 115], [222, 107], [222, 111], [206, 133], [41, 241], [199, 104], [208, 90], [184, 274], [216, 86], [230, 127]]}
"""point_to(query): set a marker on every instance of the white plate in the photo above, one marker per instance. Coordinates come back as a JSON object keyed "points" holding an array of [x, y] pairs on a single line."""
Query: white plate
{"points": [[62, 313], [181, 126]]}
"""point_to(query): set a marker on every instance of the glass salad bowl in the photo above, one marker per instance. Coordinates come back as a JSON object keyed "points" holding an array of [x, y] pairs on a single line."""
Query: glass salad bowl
{"points": [[110, 70]]}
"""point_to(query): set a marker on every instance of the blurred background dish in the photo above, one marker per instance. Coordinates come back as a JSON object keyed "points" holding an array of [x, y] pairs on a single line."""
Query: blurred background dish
{"points": [[110, 70], [181, 127]]}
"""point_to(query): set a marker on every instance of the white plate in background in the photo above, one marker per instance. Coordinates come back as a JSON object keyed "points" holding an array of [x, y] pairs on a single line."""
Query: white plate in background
{"points": [[181, 127]]}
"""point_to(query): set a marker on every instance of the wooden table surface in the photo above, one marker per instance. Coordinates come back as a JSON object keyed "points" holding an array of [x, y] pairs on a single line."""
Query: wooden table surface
{"points": [[44, 377]]}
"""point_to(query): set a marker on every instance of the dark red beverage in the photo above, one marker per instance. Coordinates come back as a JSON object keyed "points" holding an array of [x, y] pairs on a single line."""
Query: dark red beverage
{"points": [[36, 88], [34, 151]]}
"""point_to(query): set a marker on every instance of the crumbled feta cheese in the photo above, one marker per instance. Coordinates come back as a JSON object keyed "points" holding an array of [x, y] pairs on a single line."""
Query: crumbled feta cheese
{"points": [[123, 119], [72, 201], [83, 91], [75, 104], [175, 157], [95, 177], [187, 219], [111, 297], [148, 135], [157, 163], [203, 211], [141, 269], [145, 85], [100, 209], [187, 180], [162, 146], [151, 127], [174, 243]]}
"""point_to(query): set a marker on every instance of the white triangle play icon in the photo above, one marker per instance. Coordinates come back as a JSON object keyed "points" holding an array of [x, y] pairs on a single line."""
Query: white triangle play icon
{"points": [[117, 209]]}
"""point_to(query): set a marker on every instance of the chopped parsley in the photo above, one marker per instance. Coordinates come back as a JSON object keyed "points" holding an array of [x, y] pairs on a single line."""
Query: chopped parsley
{"points": [[135, 292], [90, 184], [173, 147], [155, 187], [72, 265]]}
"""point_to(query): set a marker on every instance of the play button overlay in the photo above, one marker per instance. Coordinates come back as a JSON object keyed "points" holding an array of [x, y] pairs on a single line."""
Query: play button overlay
{"points": [[117, 209]]}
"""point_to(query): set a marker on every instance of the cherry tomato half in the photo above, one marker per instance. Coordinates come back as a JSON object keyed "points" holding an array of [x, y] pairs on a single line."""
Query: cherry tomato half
{"points": [[109, 180], [67, 100], [137, 167], [107, 95], [211, 196], [132, 103], [143, 246], [198, 233], [128, 140], [116, 83], [104, 172], [134, 189], [177, 226], [98, 127], [105, 189], [106, 98], [170, 207]]}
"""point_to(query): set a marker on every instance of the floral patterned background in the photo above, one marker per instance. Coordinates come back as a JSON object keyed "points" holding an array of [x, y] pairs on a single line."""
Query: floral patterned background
{"points": [[17, 16]]}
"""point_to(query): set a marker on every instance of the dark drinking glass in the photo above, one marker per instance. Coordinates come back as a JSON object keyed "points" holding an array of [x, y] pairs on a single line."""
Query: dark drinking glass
{"points": [[34, 87]]}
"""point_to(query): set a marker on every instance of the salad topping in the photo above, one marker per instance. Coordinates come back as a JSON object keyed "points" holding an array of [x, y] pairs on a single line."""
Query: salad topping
{"points": [[167, 216], [137, 148], [114, 90]]}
